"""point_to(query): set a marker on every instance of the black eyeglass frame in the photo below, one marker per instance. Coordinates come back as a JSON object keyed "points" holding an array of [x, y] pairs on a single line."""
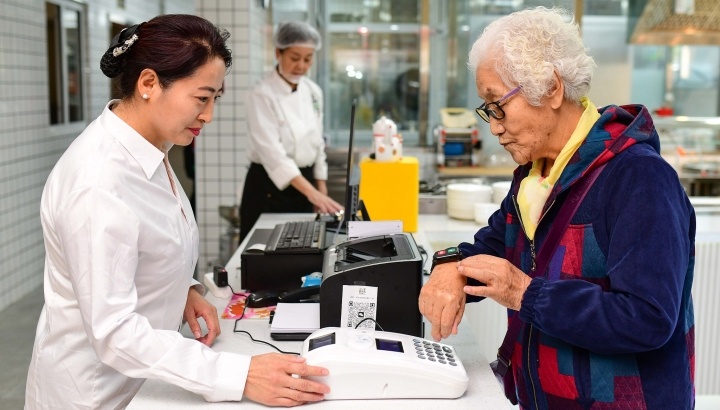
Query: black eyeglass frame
{"points": [[485, 111]]}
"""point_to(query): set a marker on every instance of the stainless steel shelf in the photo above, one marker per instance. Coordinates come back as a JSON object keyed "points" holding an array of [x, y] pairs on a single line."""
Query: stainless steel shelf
{"points": [[681, 121]]}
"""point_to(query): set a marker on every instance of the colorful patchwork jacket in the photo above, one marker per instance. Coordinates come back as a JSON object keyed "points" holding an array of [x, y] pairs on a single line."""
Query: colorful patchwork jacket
{"points": [[610, 324]]}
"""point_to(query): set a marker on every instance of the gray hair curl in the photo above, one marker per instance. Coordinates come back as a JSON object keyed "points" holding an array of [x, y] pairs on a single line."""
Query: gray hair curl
{"points": [[529, 46]]}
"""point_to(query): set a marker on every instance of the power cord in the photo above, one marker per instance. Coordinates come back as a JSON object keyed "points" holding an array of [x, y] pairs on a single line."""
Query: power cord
{"points": [[220, 269], [369, 318], [236, 330], [424, 256]]}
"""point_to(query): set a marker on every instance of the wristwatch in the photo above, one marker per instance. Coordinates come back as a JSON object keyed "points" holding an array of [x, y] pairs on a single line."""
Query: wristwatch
{"points": [[451, 254]]}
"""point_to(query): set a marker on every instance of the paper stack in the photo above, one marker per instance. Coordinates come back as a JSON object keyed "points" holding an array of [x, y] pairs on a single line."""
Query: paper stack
{"points": [[295, 321]]}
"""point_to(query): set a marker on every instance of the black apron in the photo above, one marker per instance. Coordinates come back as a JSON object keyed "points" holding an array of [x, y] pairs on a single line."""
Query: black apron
{"points": [[260, 195]]}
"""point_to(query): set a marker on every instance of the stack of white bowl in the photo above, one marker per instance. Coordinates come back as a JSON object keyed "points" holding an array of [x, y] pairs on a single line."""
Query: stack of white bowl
{"points": [[500, 190], [462, 197], [483, 211]]}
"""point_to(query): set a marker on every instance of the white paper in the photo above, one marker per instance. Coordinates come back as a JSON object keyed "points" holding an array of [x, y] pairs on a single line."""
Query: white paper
{"points": [[359, 303], [363, 229], [296, 318]]}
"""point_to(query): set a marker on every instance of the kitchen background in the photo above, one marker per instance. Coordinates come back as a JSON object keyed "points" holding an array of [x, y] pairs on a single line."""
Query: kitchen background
{"points": [[400, 58], [377, 51]]}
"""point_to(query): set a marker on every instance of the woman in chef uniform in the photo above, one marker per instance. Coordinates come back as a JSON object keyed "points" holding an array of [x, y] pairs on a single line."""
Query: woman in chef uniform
{"points": [[288, 169]]}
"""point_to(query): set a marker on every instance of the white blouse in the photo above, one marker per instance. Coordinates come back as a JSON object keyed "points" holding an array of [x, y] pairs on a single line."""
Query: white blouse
{"points": [[286, 128], [121, 249]]}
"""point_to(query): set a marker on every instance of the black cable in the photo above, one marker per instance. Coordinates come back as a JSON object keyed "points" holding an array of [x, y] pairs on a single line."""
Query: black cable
{"points": [[424, 256], [235, 293], [369, 318], [236, 330]]}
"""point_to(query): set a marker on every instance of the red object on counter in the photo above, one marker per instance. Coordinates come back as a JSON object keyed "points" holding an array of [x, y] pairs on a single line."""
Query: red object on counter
{"points": [[664, 111]]}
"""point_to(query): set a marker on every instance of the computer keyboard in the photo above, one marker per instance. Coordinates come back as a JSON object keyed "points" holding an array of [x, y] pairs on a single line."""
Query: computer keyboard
{"points": [[297, 237]]}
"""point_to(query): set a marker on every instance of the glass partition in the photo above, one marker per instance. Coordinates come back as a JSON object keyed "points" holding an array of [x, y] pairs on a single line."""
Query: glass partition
{"points": [[406, 59]]}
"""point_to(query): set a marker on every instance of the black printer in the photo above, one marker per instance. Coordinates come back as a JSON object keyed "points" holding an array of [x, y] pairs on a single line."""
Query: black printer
{"points": [[392, 263]]}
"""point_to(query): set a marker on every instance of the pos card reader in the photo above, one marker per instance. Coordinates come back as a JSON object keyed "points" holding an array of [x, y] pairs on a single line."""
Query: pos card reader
{"points": [[367, 364], [385, 272]]}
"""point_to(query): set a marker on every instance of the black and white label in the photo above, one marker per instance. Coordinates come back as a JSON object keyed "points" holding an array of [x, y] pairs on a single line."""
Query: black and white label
{"points": [[358, 304]]}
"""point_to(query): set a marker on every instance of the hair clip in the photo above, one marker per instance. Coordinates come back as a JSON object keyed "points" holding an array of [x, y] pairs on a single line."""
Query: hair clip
{"points": [[123, 48], [110, 64], [124, 39]]}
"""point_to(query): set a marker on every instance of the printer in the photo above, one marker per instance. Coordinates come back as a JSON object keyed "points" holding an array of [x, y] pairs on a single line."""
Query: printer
{"points": [[390, 263]]}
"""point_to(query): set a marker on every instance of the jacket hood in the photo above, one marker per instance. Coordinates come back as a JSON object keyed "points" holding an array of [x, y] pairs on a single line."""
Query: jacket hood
{"points": [[618, 128]]}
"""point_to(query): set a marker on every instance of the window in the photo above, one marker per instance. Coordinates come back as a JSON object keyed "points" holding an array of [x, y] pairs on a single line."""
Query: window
{"points": [[65, 80], [407, 59], [372, 53]]}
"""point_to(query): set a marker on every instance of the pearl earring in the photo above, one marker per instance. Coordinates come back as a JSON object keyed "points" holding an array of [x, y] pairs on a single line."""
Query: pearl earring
{"points": [[145, 97]]}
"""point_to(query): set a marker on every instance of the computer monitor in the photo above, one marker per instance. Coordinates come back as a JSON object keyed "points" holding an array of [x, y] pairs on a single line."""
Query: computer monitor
{"points": [[352, 179]]}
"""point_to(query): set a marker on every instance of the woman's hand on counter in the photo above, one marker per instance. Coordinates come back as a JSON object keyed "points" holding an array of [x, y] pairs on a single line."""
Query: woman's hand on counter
{"points": [[197, 306], [442, 300], [324, 203], [320, 200], [270, 381]]}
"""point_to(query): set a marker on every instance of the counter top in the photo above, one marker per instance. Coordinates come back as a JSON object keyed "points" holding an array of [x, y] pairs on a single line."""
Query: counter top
{"points": [[435, 231], [503, 171], [483, 390]]}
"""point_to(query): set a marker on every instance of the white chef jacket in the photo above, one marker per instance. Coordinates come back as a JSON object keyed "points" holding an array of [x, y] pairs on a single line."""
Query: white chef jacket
{"points": [[119, 262], [286, 128]]}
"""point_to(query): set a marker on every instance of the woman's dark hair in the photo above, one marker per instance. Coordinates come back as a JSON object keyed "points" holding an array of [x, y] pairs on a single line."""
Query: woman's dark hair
{"points": [[174, 45]]}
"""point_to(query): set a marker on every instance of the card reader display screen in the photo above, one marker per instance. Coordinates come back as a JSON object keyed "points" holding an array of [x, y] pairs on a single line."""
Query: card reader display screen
{"points": [[321, 341], [389, 345]]}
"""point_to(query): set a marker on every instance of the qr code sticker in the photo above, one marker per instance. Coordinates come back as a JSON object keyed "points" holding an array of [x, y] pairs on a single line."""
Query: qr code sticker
{"points": [[358, 311]]}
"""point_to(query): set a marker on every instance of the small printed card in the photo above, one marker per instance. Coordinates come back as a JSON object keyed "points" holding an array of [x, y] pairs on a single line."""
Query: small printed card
{"points": [[359, 303], [236, 305]]}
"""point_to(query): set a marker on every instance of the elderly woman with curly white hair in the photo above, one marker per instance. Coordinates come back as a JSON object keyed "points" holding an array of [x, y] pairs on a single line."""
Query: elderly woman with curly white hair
{"points": [[591, 251]]}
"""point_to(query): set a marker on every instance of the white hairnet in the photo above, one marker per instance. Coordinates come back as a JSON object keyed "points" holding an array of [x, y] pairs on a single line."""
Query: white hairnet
{"points": [[296, 33]]}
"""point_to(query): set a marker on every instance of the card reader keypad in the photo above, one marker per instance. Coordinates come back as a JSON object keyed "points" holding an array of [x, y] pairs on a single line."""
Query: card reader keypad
{"points": [[434, 352]]}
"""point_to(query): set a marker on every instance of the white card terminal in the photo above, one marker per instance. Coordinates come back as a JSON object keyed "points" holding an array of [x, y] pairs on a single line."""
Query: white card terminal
{"points": [[371, 364]]}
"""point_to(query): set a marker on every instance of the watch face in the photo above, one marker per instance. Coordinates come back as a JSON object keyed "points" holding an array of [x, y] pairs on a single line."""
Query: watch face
{"points": [[451, 254], [447, 252]]}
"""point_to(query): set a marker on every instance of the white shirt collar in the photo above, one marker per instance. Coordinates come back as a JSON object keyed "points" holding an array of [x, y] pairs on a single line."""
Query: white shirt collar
{"points": [[146, 154], [280, 82]]}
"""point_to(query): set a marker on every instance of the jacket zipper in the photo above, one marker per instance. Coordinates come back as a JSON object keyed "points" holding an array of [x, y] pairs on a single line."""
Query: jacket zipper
{"points": [[534, 266], [522, 226], [533, 255]]}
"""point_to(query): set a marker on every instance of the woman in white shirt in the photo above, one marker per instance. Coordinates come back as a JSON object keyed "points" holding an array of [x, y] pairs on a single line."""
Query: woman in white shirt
{"points": [[288, 167], [122, 243]]}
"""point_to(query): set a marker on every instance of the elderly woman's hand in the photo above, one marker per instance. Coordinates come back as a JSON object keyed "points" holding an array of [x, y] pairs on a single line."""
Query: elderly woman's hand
{"points": [[504, 283], [442, 300]]}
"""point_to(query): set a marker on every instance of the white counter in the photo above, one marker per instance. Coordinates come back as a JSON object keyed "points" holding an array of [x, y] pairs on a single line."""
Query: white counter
{"points": [[480, 333], [483, 390]]}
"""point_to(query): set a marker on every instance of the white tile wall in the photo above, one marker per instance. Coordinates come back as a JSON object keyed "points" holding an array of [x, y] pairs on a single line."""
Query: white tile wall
{"points": [[221, 158], [27, 152], [28, 146]]}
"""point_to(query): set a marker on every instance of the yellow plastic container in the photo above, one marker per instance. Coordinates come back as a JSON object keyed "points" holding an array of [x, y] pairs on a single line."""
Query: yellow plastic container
{"points": [[391, 190]]}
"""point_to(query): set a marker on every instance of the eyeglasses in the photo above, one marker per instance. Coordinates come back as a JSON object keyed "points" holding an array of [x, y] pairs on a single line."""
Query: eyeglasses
{"points": [[492, 109]]}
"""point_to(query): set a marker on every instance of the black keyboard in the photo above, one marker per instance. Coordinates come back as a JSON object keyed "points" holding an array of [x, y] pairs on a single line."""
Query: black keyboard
{"points": [[297, 237]]}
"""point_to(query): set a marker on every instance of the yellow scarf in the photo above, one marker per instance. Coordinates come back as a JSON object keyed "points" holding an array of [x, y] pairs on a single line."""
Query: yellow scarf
{"points": [[534, 189]]}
